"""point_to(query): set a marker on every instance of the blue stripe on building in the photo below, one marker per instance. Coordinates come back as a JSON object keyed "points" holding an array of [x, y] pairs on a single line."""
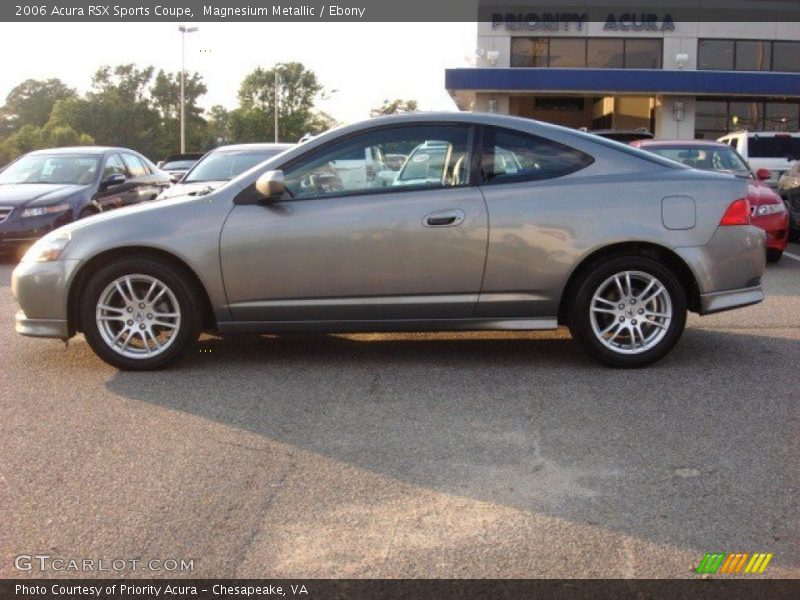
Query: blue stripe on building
{"points": [[631, 81]]}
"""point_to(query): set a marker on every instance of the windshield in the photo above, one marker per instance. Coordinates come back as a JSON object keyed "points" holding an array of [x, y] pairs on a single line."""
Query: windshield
{"points": [[224, 166], [706, 158], [52, 168], [778, 146], [178, 164]]}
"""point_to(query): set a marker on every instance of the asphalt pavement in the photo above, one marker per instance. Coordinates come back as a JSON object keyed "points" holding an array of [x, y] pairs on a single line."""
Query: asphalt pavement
{"points": [[435, 455]]}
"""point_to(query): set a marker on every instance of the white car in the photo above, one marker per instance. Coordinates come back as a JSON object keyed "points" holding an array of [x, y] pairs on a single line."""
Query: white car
{"points": [[221, 165], [773, 150]]}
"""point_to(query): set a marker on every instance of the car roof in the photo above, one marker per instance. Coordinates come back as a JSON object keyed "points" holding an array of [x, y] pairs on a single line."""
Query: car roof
{"points": [[82, 150], [244, 147], [642, 143]]}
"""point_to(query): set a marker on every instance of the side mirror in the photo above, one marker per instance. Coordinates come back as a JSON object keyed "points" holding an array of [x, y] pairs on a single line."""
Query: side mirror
{"points": [[270, 185], [112, 180], [763, 174]]}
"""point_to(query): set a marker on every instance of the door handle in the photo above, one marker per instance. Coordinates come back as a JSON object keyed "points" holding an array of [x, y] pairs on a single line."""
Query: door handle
{"points": [[443, 218]]}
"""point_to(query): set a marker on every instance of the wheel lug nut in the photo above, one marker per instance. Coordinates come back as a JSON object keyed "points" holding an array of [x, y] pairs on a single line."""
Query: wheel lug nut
{"points": [[633, 301], [622, 319], [141, 304], [130, 322], [149, 316], [641, 311], [130, 309], [633, 322], [141, 326], [622, 307]]}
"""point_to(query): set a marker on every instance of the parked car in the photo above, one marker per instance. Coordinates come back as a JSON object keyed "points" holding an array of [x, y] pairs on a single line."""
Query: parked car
{"points": [[767, 208], [789, 190], [219, 166], [178, 165], [614, 242], [771, 150], [624, 136], [45, 189]]}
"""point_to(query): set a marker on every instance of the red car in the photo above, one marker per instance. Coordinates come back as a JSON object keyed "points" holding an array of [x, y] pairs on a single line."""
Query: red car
{"points": [[767, 209]]}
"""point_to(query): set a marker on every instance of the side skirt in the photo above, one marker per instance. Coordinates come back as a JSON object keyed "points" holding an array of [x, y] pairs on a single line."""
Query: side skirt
{"points": [[388, 326]]}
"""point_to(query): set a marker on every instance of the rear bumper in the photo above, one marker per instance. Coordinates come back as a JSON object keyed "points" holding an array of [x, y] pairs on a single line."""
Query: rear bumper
{"points": [[715, 302]]}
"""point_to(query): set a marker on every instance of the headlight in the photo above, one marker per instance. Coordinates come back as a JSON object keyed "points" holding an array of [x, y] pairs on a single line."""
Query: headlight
{"points": [[38, 211], [48, 248], [763, 210]]}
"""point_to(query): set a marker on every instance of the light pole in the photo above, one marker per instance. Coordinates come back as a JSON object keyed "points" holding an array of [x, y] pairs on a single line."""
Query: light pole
{"points": [[277, 87], [184, 30]]}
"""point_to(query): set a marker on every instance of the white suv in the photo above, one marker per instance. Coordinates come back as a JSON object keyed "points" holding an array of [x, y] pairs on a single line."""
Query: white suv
{"points": [[773, 150]]}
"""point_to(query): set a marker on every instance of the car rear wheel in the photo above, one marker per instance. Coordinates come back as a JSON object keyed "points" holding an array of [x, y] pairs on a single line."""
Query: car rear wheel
{"points": [[774, 255], [629, 311], [140, 313]]}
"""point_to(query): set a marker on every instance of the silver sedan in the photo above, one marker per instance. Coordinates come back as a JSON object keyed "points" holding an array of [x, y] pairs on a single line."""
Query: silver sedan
{"points": [[476, 222]]}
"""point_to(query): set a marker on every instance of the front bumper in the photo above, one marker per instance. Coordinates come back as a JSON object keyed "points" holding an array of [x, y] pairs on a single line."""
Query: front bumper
{"points": [[715, 302], [42, 290], [49, 328], [16, 233]]}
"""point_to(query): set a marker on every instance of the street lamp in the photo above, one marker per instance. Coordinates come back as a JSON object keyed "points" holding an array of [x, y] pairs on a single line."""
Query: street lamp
{"points": [[184, 30]]}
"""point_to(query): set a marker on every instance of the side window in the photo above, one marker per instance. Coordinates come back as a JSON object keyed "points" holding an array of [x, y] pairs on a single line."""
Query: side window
{"points": [[135, 165], [113, 166], [397, 158], [512, 156]]}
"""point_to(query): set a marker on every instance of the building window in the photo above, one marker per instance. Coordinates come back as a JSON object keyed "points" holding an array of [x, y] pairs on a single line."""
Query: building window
{"points": [[786, 56], [529, 52], [606, 53], [567, 52], [748, 55], [715, 55], [753, 56], [714, 117], [597, 53], [643, 54], [558, 103]]}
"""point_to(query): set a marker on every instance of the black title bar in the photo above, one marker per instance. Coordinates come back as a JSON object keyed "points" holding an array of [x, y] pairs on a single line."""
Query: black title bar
{"points": [[777, 11]]}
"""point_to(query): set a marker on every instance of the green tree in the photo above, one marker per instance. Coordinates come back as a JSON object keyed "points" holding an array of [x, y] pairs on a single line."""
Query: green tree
{"points": [[393, 107], [117, 111], [31, 102], [219, 123], [298, 91], [30, 138], [166, 96]]}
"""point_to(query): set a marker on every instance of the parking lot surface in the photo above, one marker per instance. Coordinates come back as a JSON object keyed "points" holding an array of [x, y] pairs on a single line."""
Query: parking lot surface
{"points": [[435, 455]]}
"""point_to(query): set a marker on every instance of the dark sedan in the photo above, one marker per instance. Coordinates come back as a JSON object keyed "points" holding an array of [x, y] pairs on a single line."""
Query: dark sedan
{"points": [[45, 189]]}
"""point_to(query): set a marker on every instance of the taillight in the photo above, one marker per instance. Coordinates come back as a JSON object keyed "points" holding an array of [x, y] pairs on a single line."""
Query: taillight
{"points": [[738, 213]]}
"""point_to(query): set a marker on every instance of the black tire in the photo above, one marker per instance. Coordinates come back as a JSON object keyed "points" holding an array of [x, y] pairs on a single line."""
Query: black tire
{"points": [[774, 255], [580, 323], [179, 283]]}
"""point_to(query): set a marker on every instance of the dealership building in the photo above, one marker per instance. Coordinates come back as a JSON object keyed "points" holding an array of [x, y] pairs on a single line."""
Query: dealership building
{"points": [[678, 79]]}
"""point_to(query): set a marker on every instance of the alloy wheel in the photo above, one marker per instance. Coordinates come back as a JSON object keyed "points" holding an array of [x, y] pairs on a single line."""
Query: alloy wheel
{"points": [[630, 312], [138, 316]]}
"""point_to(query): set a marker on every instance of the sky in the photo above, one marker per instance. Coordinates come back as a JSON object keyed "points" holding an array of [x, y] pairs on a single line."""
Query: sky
{"points": [[364, 62]]}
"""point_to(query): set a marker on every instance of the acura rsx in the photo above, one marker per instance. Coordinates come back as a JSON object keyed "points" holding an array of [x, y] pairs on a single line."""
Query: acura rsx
{"points": [[478, 222]]}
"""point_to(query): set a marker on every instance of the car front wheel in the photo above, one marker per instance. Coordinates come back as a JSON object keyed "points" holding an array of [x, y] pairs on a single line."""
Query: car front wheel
{"points": [[629, 311], [140, 313]]}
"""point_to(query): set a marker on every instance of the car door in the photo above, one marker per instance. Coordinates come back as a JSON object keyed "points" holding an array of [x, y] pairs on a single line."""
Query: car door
{"points": [[524, 180], [142, 182], [366, 246], [118, 194]]}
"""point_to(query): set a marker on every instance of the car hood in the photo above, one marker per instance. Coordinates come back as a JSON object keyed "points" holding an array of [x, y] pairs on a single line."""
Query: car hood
{"points": [[21, 194], [200, 188]]}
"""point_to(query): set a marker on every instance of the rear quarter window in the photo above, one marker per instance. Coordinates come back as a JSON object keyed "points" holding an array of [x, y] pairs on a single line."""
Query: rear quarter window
{"points": [[512, 156]]}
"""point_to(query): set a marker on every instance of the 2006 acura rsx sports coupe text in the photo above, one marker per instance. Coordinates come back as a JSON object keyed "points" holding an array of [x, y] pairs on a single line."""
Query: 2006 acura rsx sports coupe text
{"points": [[476, 222]]}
